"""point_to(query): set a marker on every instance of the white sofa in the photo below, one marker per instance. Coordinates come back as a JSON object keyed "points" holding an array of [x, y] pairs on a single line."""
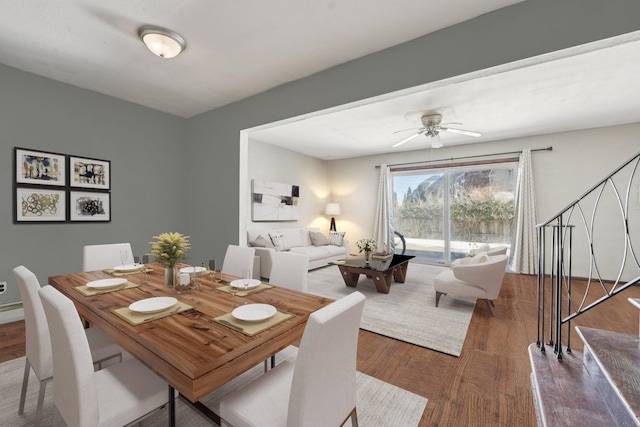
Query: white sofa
{"points": [[296, 240]]}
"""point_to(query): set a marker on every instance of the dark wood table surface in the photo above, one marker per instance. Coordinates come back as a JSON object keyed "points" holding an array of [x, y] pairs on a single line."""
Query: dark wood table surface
{"points": [[194, 354], [381, 270]]}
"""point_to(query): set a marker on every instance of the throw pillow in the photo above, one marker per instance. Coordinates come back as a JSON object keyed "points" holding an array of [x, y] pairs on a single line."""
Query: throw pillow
{"points": [[261, 242], [278, 242], [318, 239], [336, 238], [480, 258]]}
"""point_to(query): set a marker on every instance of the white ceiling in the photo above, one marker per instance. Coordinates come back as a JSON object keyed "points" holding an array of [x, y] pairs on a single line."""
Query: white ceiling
{"points": [[236, 49], [596, 85]]}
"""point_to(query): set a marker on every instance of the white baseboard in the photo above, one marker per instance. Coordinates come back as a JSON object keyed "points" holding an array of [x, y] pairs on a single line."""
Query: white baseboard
{"points": [[13, 315]]}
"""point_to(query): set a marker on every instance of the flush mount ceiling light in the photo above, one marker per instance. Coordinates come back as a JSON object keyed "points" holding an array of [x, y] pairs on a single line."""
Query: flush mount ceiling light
{"points": [[162, 42]]}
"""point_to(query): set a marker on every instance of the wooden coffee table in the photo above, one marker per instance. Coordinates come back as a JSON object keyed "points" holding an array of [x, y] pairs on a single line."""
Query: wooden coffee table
{"points": [[380, 270]]}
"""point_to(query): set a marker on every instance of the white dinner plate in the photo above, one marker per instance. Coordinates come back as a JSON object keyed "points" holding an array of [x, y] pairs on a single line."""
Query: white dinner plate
{"points": [[128, 267], [190, 270], [153, 305], [106, 283], [240, 285], [254, 312]]}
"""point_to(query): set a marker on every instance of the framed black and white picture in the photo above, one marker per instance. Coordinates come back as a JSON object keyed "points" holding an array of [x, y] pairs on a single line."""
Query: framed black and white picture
{"points": [[274, 201], [39, 167], [36, 204], [89, 173], [85, 206]]}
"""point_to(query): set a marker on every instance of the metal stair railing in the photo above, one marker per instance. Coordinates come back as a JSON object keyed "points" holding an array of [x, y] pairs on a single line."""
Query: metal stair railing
{"points": [[606, 216]]}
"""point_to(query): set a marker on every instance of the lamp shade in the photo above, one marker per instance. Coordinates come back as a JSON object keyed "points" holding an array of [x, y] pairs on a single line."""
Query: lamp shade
{"points": [[332, 209], [162, 42]]}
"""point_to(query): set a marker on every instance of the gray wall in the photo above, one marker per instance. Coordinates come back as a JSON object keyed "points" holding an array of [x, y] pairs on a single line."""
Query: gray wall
{"points": [[147, 183], [171, 174]]}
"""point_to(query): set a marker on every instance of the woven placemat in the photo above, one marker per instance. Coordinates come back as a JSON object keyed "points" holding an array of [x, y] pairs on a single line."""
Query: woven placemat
{"points": [[252, 328], [136, 318], [89, 292], [112, 272], [231, 290]]}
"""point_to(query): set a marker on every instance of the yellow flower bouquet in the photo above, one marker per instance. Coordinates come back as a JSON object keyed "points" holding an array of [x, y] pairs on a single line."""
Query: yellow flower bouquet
{"points": [[170, 248]]}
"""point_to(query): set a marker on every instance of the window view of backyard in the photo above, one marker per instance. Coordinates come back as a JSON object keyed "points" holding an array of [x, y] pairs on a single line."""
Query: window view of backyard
{"points": [[444, 213]]}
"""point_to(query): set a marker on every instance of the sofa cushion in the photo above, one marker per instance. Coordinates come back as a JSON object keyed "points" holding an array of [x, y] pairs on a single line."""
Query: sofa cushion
{"points": [[480, 258], [292, 236], [318, 239], [261, 242], [313, 252], [278, 241], [336, 238]]}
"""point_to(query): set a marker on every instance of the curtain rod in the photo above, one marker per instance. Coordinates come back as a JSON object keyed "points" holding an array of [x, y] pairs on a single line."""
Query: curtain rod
{"points": [[467, 157]]}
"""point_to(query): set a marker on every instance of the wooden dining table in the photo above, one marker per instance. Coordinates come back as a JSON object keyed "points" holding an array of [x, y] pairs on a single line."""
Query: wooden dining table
{"points": [[191, 351]]}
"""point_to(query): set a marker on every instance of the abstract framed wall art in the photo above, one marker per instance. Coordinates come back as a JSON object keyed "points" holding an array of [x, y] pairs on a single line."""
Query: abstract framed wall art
{"points": [[35, 204], [39, 167], [274, 201], [89, 173], [89, 206]]}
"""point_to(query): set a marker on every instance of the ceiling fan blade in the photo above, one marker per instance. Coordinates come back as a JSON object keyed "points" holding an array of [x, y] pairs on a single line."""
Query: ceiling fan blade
{"points": [[460, 131], [404, 130], [407, 139]]}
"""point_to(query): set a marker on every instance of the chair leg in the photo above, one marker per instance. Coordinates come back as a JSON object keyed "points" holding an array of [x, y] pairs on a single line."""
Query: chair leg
{"points": [[438, 295], [490, 306], [25, 381], [43, 389]]}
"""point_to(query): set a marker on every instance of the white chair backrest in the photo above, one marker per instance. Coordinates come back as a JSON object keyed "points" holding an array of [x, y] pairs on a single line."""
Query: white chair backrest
{"points": [[323, 390], [486, 275], [74, 394], [498, 250], [38, 343], [99, 257], [236, 259], [290, 270]]}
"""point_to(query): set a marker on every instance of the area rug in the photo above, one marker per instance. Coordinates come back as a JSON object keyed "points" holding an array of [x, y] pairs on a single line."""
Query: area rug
{"points": [[408, 312], [378, 403]]}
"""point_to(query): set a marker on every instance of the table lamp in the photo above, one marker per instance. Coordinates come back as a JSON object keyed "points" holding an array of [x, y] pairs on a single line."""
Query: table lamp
{"points": [[333, 209]]}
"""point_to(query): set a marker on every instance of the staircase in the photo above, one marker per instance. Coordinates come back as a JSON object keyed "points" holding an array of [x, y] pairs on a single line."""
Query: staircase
{"points": [[601, 386], [598, 388]]}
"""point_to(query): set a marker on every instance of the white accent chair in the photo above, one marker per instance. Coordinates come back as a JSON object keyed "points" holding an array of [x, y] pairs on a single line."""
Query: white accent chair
{"points": [[498, 250], [99, 257], [319, 388], [38, 342], [289, 270], [236, 259], [478, 278], [114, 396]]}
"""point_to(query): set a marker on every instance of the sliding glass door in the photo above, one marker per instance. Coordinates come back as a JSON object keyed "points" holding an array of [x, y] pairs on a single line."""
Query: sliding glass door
{"points": [[444, 213]]}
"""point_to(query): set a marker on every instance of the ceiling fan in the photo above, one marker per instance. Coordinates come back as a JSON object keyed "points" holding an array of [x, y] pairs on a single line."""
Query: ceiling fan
{"points": [[432, 127]]}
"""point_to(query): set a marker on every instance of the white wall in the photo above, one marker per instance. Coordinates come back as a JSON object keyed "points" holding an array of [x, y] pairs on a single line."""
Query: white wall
{"points": [[270, 163], [578, 161]]}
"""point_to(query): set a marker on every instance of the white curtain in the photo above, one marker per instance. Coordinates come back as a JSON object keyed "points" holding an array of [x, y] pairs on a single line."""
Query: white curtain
{"points": [[383, 223], [524, 247]]}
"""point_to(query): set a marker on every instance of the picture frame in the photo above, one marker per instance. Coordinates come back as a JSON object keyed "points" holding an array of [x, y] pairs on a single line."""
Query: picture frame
{"points": [[274, 201], [35, 204], [85, 172], [89, 206], [39, 167]]}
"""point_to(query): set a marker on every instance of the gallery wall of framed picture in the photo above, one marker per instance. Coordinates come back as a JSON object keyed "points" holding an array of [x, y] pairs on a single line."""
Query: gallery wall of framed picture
{"points": [[53, 187]]}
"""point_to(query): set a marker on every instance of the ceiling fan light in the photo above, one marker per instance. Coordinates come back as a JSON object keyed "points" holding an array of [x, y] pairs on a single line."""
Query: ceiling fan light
{"points": [[162, 42], [435, 140]]}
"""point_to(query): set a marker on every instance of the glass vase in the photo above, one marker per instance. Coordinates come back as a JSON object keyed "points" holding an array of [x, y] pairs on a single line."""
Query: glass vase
{"points": [[171, 276], [367, 257]]}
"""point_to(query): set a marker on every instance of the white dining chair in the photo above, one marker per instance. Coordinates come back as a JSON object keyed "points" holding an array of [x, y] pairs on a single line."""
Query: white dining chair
{"points": [[291, 270], [99, 257], [319, 388], [114, 396], [237, 259], [38, 342]]}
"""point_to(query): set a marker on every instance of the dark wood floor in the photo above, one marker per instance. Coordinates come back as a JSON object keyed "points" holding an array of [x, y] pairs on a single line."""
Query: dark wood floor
{"points": [[488, 385]]}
